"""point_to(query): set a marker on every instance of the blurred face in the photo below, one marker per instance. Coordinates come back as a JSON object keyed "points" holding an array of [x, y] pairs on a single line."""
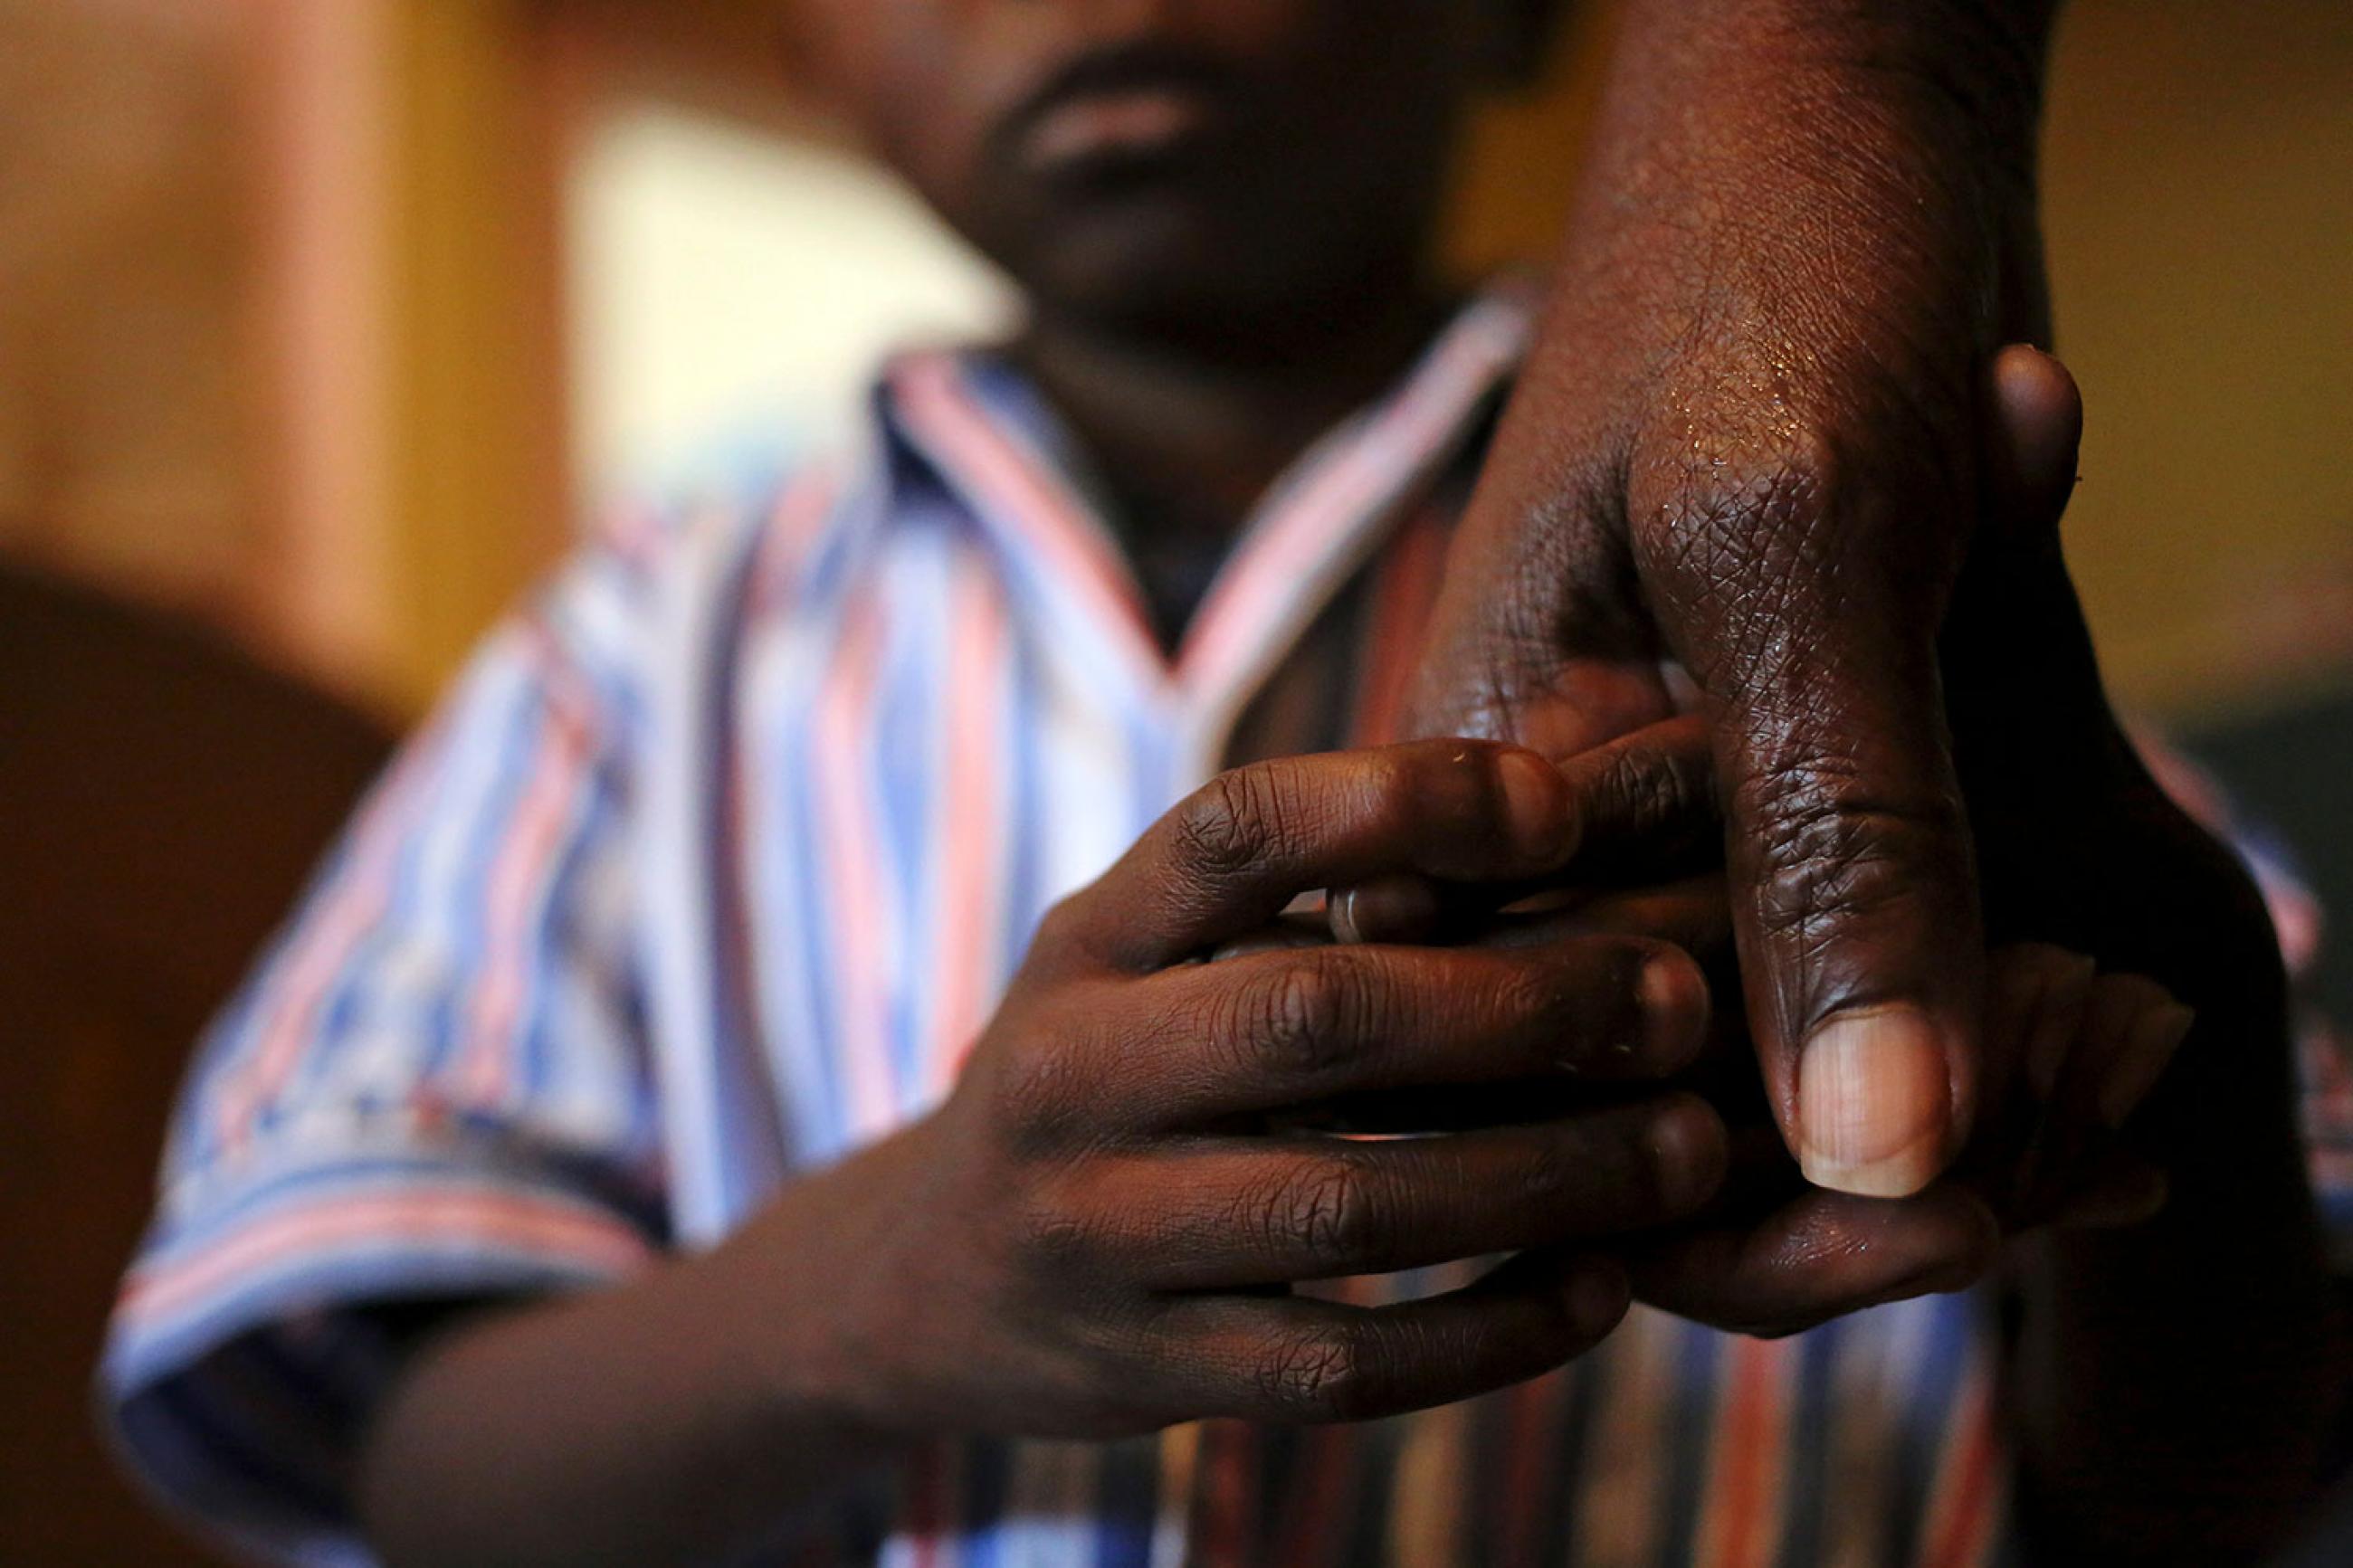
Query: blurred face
{"points": [[1179, 165]]}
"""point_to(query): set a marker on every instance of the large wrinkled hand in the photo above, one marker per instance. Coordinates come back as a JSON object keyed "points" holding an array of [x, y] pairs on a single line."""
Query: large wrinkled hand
{"points": [[2072, 1047], [1743, 472], [2124, 922]]}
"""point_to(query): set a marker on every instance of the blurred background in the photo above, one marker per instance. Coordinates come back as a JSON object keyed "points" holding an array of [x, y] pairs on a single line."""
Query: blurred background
{"points": [[322, 322]]}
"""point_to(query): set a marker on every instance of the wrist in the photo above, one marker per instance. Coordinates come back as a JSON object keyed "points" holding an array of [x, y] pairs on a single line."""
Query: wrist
{"points": [[1974, 68], [820, 1326]]}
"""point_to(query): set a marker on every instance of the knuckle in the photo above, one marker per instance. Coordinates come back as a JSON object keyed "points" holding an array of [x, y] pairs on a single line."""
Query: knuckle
{"points": [[1293, 1016], [1230, 825], [1824, 846], [1327, 1374], [1324, 1209], [1558, 1172], [1650, 793], [1038, 1098], [1061, 929], [1717, 500], [1535, 1007], [1055, 1234]]}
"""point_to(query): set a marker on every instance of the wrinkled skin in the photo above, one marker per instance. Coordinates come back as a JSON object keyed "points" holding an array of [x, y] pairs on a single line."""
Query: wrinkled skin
{"points": [[1743, 472], [2081, 853], [1748, 475], [2075, 846]]}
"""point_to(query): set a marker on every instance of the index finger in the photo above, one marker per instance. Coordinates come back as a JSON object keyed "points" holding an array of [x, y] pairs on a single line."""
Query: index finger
{"points": [[1234, 853], [1643, 806]]}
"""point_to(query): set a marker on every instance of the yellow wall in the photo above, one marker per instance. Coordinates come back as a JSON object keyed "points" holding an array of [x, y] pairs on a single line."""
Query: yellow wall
{"points": [[477, 459], [2199, 207]]}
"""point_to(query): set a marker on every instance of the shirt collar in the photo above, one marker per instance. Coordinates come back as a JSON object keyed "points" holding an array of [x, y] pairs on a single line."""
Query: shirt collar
{"points": [[967, 422]]}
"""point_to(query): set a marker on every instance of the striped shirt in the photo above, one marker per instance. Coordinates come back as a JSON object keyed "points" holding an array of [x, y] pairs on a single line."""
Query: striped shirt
{"points": [[709, 871]]}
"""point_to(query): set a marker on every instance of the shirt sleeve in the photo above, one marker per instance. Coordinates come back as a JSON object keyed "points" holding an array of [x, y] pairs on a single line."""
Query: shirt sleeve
{"points": [[435, 1086]]}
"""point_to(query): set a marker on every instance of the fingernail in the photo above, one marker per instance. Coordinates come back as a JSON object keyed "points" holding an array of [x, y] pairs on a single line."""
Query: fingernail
{"points": [[1597, 1294], [1401, 907], [1874, 1102], [2149, 1044], [1673, 999], [1340, 910], [1534, 803], [1689, 1144]]}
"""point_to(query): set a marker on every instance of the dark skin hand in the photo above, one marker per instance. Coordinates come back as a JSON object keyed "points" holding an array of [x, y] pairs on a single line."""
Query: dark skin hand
{"points": [[2172, 1377], [1747, 447], [1773, 1255], [1747, 472], [1109, 1207], [2136, 1063], [2177, 1378]]}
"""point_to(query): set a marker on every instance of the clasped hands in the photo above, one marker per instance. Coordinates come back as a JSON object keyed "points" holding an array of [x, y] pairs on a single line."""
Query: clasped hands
{"points": [[1527, 963]]}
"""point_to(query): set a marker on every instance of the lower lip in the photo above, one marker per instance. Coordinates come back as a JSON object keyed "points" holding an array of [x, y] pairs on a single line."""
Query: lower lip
{"points": [[1132, 124]]}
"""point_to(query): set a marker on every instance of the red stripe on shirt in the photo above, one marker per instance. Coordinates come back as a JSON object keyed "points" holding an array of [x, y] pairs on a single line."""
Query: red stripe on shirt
{"points": [[1026, 497], [332, 930], [970, 907], [515, 897], [1964, 1506], [849, 850], [511, 1221], [1742, 1521]]}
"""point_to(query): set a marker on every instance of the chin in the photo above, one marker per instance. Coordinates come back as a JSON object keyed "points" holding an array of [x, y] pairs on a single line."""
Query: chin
{"points": [[1177, 289], [1156, 299]]}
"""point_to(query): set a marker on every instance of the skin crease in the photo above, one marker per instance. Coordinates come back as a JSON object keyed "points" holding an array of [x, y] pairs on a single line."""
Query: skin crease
{"points": [[1746, 443], [1197, 323]]}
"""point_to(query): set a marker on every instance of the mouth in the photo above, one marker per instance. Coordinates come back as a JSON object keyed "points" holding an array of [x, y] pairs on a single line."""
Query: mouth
{"points": [[1117, 110]]}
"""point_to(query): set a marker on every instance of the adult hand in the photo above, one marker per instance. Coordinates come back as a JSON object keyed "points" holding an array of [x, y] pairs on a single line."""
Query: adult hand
{"points": [[2135, 1441], [2077, 845], [1742, 472]]}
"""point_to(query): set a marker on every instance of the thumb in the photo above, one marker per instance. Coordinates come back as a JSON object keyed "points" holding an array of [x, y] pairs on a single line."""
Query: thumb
{"points": [[2037, 433], [1847, 849], [2014, 645], [1854, 874], [1854, 894]]}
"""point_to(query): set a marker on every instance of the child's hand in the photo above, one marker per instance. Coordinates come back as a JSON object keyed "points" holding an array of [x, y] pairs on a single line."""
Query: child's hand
{"points": [[1095, 1235]]}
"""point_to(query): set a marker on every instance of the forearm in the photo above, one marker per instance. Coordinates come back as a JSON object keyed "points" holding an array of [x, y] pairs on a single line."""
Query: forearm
{"points": [[679, 1419], [2004, 42], [2176, 1380], [1801, 230], [1909, 124], [1841, 193]]}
